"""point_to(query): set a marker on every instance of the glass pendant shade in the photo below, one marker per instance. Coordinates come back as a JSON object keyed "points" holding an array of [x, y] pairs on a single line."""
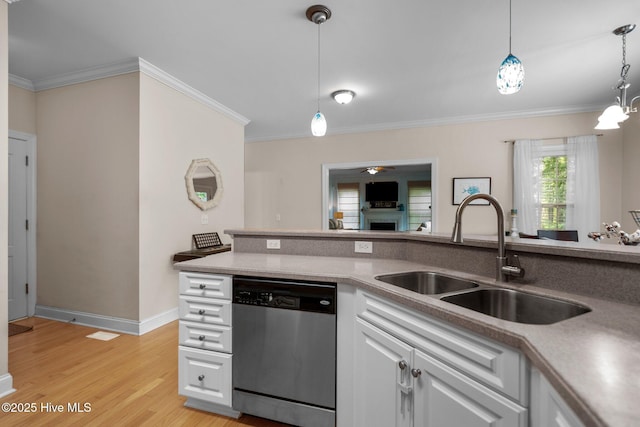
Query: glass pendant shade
{"points": [[510, 75], [614, 113], [318, 124], [607, 124], [611, 117]]}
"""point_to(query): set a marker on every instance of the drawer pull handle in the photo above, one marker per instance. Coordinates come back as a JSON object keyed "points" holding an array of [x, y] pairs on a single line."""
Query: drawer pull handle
{"points": [[416, 373], [201, 311], [402, 365], [202, 286], [201, 337], [200, 377]]}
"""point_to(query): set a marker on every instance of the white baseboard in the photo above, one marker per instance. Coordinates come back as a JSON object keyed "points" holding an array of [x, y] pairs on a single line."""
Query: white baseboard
{"points": [[212, 407], [126, 326], [6, 385]]}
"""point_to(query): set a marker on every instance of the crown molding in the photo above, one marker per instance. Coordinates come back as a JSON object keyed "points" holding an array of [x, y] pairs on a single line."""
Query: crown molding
{"points": [[378, 127], [163, 77], [21, 82], [125, 67]]}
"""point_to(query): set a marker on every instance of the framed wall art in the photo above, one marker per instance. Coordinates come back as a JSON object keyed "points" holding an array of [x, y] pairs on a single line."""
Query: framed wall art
{"points": [[464, 187]]}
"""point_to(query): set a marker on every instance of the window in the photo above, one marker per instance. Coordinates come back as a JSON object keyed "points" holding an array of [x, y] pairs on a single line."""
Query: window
{"points": [[553, 193], [554, 185], [419, 203], [349, 204]]}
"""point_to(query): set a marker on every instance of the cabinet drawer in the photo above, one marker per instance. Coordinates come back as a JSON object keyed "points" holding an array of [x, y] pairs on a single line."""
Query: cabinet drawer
{"points": [[498, 366], [205, 285], [205, 375], [206, 310], [206, 337]]}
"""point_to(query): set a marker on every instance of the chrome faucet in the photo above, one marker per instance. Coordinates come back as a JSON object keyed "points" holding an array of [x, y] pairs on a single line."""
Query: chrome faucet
{"points": [[503, 269]]}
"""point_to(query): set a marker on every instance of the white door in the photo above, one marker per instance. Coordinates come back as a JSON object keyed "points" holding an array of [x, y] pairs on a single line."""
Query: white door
{"points": [[382, 395], [445, 397], [17, 233]]}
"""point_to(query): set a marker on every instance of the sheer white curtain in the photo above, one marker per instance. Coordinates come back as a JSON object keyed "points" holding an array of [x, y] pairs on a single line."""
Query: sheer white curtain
{"points": [[526, 179], [583, 185]]}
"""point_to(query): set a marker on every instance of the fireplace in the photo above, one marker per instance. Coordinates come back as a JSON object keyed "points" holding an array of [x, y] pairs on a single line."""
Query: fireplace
{"points": [[386, 226]]}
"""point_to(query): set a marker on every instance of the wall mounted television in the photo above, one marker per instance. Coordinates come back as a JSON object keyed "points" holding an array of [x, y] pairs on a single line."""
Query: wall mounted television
{"points": [[386, 191]]}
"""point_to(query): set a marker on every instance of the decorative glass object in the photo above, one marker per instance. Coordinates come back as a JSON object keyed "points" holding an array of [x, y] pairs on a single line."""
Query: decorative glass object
{"points": [[510, 75], [318, 124]]}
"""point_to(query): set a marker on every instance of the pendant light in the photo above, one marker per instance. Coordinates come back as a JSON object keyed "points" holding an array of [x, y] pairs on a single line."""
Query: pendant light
{"points": [[318, 14], [511, 72], [619, 111]]}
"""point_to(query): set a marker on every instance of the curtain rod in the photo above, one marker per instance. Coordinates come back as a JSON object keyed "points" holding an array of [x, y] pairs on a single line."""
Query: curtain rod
{"points": [[547, 139]]}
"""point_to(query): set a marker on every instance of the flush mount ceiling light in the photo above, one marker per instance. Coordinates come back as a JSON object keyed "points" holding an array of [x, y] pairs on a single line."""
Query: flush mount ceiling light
{"points": [[343, 96], [318, 14], [619, 112], [511, 72], [372, 170]]}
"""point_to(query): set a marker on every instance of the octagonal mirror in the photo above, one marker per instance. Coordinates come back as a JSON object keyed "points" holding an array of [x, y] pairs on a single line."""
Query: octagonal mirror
{"points": [[204, 184]]}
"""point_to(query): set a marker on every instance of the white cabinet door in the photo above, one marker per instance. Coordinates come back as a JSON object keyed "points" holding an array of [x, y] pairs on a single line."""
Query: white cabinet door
{"points": [[381, 389], [444, 397], [547, 407]]}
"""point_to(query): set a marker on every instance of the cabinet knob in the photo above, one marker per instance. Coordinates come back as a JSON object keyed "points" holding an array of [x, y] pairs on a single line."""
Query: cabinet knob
{"points": [[200, 377], [402, 365], [202, 286], [201, 337], [416, 372], [201, 311]]}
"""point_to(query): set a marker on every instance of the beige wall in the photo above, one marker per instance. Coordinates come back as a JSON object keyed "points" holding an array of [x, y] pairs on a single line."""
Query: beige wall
{"points": [[112, 202], [22, 114], [174, 130], [631, 176], [87, 192], [4, 223], [284, 177]]}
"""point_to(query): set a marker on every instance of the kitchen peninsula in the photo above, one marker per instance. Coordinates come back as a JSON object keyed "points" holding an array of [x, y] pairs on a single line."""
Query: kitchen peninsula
{"points": [[590, 360]]}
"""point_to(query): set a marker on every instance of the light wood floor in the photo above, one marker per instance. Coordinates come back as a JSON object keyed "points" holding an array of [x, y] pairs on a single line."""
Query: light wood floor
{"points": [[128, 381]]}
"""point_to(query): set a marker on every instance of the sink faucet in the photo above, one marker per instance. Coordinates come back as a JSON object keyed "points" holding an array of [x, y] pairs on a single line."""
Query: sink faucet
{"points": [[503, 269]]}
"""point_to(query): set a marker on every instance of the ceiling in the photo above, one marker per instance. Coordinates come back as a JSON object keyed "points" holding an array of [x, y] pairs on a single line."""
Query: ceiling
{"points": [[411, 62]]}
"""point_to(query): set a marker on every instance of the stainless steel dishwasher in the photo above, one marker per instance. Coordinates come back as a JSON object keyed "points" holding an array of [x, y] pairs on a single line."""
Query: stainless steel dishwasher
{"points": [[284, 350]]}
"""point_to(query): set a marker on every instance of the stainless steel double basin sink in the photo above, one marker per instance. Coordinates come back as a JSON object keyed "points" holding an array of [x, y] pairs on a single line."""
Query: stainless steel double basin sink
{"points": [[506, 304]]}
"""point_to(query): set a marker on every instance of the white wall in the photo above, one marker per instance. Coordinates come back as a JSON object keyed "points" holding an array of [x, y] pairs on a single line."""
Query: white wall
{"points": [[284, 176], [174, 130]]}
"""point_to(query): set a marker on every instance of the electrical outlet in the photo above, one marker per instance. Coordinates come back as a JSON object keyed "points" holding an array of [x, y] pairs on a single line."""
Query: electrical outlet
{"points": [[273, 244], [204, 219], [364, 247]]}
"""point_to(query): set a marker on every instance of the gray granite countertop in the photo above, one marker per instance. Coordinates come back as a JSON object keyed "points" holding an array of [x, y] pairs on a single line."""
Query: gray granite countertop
{"points": [[593, 360]]}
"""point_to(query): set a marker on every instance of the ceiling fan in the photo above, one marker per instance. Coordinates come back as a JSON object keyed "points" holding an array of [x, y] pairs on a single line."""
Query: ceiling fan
{"points": [[375, 169]]}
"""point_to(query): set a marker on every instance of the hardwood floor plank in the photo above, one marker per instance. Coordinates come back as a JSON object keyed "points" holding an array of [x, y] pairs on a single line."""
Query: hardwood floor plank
{"points": [[128, 381]]}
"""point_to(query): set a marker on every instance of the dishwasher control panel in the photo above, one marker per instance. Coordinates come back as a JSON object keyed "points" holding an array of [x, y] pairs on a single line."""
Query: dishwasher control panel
{"points": [[292, 295]]}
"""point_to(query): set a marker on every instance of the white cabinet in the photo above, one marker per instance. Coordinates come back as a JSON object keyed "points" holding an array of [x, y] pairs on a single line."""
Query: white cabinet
{"points": [[547, 407], [411, 370], [444, 397], [205, 352], [380, 385], [398, 385]]}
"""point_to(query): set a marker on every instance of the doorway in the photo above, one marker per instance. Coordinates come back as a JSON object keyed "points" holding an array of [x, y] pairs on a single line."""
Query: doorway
{"points": [[21, 226], [407, 166]]}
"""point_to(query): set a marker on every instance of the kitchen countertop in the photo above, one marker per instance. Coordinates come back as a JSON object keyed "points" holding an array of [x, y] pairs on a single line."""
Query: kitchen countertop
{"points": [[592, 360]]}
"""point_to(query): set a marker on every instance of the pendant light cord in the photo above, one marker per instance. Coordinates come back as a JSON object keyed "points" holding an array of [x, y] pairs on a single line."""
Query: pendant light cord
{"points": [[318, 92], [509, 27]]}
